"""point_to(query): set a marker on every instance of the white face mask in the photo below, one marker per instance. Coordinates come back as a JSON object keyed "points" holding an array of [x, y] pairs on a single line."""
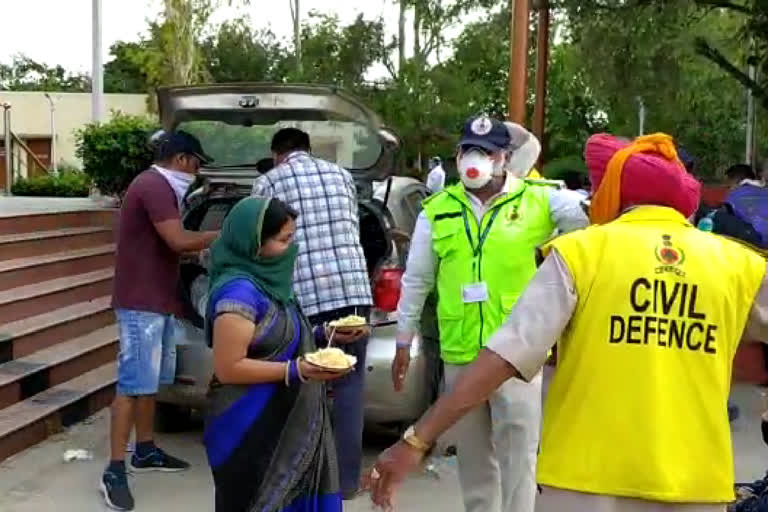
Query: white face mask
{"points": [[179, 181], [475, 169]]}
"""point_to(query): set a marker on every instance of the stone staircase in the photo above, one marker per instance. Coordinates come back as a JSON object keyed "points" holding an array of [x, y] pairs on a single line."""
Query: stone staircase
{"points": [[58, 338]]}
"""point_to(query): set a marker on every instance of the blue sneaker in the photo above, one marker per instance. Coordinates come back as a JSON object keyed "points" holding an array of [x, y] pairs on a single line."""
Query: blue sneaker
{"points": [[117, 494], [157, 460]]}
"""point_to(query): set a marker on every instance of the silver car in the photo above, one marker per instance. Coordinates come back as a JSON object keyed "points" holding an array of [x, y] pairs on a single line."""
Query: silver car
{"points": [[235, 124]]}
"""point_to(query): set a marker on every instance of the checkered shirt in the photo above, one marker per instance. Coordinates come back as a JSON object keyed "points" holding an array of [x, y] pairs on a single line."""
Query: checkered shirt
{"points": [[331, 271]]}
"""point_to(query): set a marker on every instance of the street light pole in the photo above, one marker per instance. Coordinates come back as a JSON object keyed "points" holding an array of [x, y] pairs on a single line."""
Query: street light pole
{"points": [[97, 69], [54, 165], [518, 59]]}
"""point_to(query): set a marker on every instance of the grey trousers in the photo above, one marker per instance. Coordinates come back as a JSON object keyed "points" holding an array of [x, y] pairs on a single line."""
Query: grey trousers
{"points": [[497, 445], [559, 500]]}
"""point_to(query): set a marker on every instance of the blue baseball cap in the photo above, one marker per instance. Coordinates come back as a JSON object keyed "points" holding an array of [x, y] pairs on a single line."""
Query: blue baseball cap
{"points": [[486, 133], [182, 142]]}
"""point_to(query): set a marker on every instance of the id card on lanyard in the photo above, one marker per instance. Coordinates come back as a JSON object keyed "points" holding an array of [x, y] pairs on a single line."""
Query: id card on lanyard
{"points": [[477, 292]]}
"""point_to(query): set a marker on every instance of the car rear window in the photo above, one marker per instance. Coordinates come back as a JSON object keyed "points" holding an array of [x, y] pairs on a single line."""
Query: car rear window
{"points": [[350, 144]]}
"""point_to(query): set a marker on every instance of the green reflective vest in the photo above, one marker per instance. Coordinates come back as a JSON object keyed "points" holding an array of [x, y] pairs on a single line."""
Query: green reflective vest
{"points": [[500, 252]]}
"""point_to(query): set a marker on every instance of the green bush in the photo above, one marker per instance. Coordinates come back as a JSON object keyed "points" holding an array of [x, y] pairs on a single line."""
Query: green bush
{"points": [[115, 152], [67, 183], [556, 169]]}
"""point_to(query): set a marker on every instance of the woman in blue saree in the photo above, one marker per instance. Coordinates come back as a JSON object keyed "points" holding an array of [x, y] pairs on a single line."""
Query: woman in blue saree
{"points": [[268, 437]]}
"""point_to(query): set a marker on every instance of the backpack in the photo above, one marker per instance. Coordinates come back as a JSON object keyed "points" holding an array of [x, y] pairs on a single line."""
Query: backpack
{"points": [[744, 215]]}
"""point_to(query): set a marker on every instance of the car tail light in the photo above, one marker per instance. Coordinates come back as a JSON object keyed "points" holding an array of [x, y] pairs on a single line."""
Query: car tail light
{"points": [[386, 288]]}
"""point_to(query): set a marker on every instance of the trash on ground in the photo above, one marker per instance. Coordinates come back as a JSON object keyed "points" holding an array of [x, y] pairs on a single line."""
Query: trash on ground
{"points": [[72, 455]]}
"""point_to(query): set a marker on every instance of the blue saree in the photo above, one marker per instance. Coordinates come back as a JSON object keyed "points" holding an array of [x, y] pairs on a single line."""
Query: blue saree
{"points": [[270, 446]]}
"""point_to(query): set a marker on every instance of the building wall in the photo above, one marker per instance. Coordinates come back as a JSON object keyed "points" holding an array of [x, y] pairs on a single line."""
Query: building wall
{"points": [[30, 115]]}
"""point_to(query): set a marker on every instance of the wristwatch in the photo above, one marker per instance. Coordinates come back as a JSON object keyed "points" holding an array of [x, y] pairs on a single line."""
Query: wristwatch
{"points": [[410, 437]]}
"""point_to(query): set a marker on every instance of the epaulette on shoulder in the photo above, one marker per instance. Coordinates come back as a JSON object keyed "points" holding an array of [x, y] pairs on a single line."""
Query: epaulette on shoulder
{"points": [[559, 184]]}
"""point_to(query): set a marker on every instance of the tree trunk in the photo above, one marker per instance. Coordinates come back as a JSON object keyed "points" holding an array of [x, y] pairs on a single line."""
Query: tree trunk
{"points": [[401, 37], [181, 46], [417, 32]]}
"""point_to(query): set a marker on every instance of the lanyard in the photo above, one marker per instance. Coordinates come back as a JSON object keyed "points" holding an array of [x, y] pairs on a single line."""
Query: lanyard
{"points": [[484, 235]]}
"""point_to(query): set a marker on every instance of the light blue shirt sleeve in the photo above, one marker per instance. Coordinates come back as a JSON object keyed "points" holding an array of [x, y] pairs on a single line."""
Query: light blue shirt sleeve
{"points": [[566, 209], [418, 280]]}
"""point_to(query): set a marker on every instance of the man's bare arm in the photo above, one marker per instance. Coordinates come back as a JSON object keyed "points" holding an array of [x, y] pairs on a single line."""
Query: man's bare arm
{"points": [[181, 240]]}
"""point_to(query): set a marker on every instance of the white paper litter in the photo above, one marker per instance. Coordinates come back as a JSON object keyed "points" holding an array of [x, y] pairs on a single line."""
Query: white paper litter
{"points": [[72, 455]]}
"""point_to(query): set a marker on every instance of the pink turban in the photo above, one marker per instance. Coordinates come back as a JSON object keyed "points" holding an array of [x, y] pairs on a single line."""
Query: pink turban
{"points": [[646, 178]]}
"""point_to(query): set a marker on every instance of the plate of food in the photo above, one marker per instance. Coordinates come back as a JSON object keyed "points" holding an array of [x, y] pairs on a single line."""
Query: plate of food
{"points": [[331, 359], [348, 323]]}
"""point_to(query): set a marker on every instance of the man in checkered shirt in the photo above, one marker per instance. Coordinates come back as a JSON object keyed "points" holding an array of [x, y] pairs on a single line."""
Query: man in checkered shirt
{"points": [[331, 278]]}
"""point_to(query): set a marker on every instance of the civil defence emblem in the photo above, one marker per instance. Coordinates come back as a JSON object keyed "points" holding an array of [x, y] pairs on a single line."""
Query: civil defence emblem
{"points": [[481, 126], [668, 254]]}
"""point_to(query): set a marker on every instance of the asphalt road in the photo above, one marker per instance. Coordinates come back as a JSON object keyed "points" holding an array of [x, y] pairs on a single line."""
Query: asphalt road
{"points": [[38, 480]]}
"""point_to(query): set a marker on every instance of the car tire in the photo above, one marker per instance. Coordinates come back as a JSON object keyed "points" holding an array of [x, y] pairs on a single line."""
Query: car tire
{"points": [[172, 418]]}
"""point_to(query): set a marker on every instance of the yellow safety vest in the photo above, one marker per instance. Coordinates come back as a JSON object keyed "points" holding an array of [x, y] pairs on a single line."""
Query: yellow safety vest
{"points": [[637, 405]]}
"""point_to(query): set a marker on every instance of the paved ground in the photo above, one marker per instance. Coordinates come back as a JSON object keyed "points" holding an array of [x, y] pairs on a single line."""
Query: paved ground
{"points": [[38, 481]]}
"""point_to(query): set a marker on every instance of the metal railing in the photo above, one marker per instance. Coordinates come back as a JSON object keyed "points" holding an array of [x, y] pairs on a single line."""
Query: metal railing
{"points": [[20, 160]]}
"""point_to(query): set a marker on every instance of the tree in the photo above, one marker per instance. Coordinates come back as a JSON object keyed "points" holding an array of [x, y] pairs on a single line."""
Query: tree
{"points": [[26, 74], [173, 53], [658, 57], [236, 53], [125, 73], [429, 104], [573, 112], [175, 56], [751, 32], [336, 54]]}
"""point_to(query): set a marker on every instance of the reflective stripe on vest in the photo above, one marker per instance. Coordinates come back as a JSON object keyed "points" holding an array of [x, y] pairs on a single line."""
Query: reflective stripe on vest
{"points": [[499, 251], [636, 407]]}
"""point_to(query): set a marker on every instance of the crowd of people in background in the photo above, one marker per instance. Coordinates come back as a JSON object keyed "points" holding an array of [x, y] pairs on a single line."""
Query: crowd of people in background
{"points": [[514, 271]]}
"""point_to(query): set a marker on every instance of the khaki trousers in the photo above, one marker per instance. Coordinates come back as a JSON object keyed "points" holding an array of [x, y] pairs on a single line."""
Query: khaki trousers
{"points": [[497, 445]]}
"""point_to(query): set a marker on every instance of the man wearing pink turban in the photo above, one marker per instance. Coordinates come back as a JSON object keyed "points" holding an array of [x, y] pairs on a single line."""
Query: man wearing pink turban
{"points": [[647, 312]]}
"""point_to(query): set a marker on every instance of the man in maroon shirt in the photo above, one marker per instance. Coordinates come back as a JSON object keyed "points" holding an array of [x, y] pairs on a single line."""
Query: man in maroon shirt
{"points": [[150, 243]]}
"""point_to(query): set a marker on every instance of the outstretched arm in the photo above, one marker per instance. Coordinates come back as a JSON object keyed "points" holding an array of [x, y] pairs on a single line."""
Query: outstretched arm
{"points": [[518, 349]]}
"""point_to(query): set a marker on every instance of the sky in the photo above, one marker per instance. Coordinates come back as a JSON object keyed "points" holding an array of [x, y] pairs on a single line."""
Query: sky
{"points": [[59, 31]]}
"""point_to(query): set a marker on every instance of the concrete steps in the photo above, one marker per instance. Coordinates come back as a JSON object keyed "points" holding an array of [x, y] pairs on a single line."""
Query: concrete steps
{"points": [[58, 338], [26, 376], [38, 298], [26, 423], [24, 224], [39, 243], [36, 269], [23, 337]]}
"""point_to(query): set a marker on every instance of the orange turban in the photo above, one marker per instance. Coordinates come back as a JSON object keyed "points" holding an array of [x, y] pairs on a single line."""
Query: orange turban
{"points": [[644, 171]]}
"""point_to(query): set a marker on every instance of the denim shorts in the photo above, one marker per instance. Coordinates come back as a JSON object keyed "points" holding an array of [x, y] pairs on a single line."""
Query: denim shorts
{"points": [[147, 356]]}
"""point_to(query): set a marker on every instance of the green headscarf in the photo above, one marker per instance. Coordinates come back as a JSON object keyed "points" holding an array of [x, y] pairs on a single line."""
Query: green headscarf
{"points": [[235, 254]]}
